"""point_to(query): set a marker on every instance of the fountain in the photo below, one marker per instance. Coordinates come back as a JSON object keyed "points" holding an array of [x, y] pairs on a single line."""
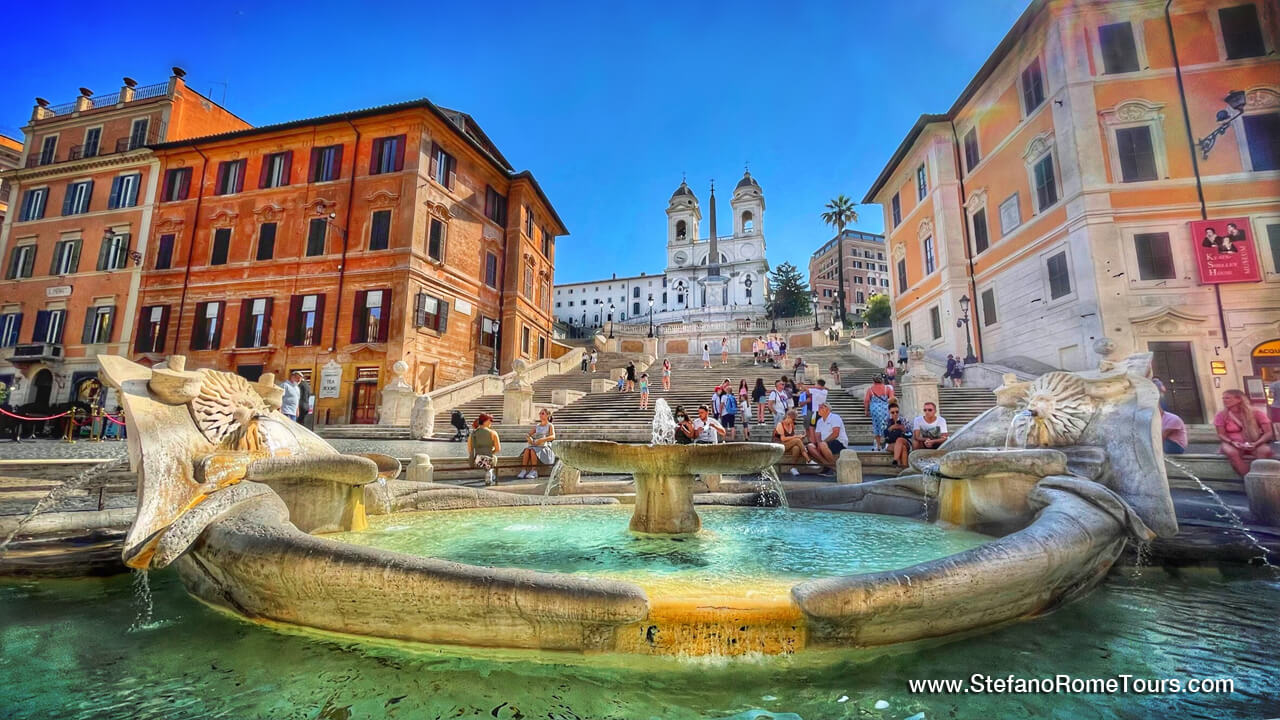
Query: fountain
{"points": [[236, 498]]}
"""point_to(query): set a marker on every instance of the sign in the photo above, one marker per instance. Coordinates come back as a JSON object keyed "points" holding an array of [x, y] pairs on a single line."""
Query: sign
{"points": [[58, 291], [330, 380], [462, 306], [1225, 251], [1269, 349]]}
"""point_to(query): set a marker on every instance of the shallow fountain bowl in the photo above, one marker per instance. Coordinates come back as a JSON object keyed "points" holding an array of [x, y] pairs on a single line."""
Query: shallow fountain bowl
{"points": [[610, 457]]}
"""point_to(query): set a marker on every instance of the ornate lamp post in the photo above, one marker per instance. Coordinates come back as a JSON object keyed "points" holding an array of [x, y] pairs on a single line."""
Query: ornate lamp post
{"points": [[969, 357], [494, 369], [650, 314], [814, 295], [1236, 101], [610, 321]]}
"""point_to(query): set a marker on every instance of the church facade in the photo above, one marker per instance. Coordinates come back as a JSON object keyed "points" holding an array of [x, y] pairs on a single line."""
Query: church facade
{"points": [[708, 278]]}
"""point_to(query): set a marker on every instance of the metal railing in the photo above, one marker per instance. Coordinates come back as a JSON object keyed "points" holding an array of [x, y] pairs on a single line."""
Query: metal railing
{"points": [[76, 152], [150, 91], [111, 99]]}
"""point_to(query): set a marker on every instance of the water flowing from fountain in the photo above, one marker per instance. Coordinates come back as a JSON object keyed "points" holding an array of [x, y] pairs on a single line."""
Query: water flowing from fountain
{"points": [[1019, 428], [770, 482], [664, 424], [553, 481], [51, 498], [1264, 556], [143, 601]]}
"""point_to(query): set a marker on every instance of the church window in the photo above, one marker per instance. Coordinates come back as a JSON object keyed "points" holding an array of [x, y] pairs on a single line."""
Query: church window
{"points": [[748, 222], [681, 229]]}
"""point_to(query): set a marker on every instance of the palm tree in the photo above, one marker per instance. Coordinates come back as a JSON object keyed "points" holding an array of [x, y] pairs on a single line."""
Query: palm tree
{"points": [[840, 212]]}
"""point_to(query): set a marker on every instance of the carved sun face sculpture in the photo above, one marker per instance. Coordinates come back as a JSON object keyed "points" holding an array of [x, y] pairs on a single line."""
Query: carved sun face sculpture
{"points": [[1061, 409], [232, 415]]}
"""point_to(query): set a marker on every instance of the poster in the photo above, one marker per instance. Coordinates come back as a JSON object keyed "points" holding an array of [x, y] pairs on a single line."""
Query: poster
{"points": [[330, 380], [1225, 251]]}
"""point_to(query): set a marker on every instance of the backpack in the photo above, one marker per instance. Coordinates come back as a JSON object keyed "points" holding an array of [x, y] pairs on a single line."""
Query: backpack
{"points": [[729, 406]]}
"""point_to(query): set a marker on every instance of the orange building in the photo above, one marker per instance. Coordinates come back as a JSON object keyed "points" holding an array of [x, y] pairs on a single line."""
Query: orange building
{"points": [[10, 158], [339, 245], [1058, 193], [80, 212]]}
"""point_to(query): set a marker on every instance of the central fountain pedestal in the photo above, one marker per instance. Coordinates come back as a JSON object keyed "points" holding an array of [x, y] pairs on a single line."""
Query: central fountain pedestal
{"points": [[664, 505]]}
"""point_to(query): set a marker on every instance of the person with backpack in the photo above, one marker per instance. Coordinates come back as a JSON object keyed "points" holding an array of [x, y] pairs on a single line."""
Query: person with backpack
{"points": [[728, 413]]}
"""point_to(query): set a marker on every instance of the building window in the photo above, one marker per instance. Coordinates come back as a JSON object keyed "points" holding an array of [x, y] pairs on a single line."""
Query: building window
{"points": [[1137, 154], [177, 184], [542, 347], [906, 333], [635, 292], [10, 327], [1273, 240], [33, 204], [387, 156], [372, 317], [255, 323], [546, 243], [266, 241], [306, 314], [49, 327], [138, 133], [988, 299], [495, 206], [1032, 87], [124, 191], [930, 263], [326, 163], [48, 149], [92, 142], [230, 177], [1155, 256], [491, 270], [1059, 276], [221, 246], [528, 222], [431, 313], [860, 297], [1046, 184], [902, 275], [66, 257], [1241, 32], [207, 332], [524, 340], [1010, 215], [77, 198], [922, 182], [97, 325], [935, 322], [153, 326], [114, 251], [380, 230], [275, 169], [164, 252], [1262, 132], [546, 296], [444, 167], [1119, 51], [488, 333], [315, 236], [971, 156], [528, 282], [436, 235], [980, 239], [681, 229]]}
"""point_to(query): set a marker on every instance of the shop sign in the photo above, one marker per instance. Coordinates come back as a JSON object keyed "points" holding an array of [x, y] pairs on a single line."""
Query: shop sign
{"points": [[1225, 251], [330, 380]]}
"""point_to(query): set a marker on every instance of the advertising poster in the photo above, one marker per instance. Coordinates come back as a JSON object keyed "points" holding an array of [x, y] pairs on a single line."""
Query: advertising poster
{"points": [[1225, 251]]}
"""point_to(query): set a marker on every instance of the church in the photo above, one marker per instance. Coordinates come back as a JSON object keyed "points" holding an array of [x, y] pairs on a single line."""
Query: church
{"points": [[707, 278]]}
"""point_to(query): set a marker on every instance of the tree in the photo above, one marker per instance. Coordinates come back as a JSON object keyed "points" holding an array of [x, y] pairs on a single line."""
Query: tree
{"points": [[878, 311], [790, 296], [840, 212]]}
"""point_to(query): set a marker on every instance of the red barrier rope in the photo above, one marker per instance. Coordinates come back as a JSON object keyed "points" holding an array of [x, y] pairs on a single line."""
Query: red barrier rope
{"points": [[112, 419], [33, 419]]}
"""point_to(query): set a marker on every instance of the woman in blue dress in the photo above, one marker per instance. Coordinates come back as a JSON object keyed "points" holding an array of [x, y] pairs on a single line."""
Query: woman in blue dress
{"points": [[876, 404]]}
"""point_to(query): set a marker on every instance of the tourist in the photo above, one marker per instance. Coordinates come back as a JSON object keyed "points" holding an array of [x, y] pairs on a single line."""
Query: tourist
{"points": [[800, 368], [685, 433], [787, 434], [622, 383], [755, 351], [817, 395], [890, 372], [779, 401], [631, 376], [706, 356], [758, 395], [782, 351], [834, 370], [875, 403], [306, 402], [483, 447], [538, 449], [644, 391], [729, 412], [832, 438], [1244, 431], [724, 351], [958, 373], [928, 430], [1160, 388], [951, 368], [1174, 433], [800, 405], [586, 362], [666, 373], [744, 407], [292, 395], [897, 436], [902, 355], [595, 357], [708, 429]]}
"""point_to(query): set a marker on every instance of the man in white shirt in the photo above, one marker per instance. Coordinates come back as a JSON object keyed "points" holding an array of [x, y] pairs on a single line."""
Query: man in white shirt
{"points": [[817, 397], [292, 394], [779, 402], [709, 430], [928, 430], [832, 438]]}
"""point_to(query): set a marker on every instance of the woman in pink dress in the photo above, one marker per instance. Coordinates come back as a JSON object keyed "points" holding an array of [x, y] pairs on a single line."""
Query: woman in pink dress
{"points": [[1244, 430]]}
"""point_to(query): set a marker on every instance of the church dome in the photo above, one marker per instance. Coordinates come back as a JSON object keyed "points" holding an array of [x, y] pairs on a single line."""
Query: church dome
{"points": [[682, 190], [747, 181]]}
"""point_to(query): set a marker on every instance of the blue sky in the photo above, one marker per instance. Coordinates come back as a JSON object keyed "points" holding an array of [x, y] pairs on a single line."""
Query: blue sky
{"points": [[606, 102]]}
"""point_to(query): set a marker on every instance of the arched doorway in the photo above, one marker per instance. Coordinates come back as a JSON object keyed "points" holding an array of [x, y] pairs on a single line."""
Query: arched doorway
{"points": [[43, 388]]}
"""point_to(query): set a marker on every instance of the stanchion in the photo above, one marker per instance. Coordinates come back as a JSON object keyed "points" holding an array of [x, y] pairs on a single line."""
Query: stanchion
{"points": [[68, 435]]}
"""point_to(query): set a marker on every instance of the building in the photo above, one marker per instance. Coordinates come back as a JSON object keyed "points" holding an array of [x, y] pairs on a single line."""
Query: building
{"points": [[595, 304], [339, 245], [81, 210], [10, 158], [716, 277], [1060, 189], [866, 271]]}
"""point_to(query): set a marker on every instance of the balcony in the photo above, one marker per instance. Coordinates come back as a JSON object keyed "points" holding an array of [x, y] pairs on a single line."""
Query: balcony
{"points": [[109, 100], [36, 352], [77, 152]]}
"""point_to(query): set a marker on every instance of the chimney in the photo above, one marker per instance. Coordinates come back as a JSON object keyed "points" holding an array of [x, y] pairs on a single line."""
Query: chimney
{"points": [[126, 92], [83, 102], [176, 81], [41, 110]]}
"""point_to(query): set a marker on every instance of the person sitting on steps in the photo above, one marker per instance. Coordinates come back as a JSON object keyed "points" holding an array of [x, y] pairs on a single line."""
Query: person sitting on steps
{"points": [[539, 448], [483, 447]]}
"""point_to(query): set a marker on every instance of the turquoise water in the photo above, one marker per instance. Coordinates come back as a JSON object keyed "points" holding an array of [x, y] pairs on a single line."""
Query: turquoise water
{"points": [[738, 549]]}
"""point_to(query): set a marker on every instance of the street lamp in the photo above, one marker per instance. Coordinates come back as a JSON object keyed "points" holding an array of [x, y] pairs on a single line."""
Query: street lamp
{"points": [[1236, 101], [650, 314], [814, 295], [969, 357], [610, 321], [494, 325]]}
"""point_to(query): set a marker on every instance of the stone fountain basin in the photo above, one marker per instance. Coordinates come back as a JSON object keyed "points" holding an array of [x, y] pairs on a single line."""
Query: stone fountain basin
{"points": [[611, 457]]}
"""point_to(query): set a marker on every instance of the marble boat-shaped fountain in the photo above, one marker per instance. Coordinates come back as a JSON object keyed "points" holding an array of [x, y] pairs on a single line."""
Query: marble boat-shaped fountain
{"points": [[230, 490]]}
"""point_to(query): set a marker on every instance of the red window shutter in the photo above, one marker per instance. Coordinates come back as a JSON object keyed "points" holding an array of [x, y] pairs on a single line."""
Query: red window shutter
{"points": [[164, 331], [312, 172], [384, 322], [185, 179], [287, 170], [293, 331], [400, 144], [242, 328], [262, 172], [375, 151], [143, 321], [198, 329], [222, 320], [434, 164], [266, 317], [319, 321], [240, 176], [222, 178], [357, 318], [337, 169]]}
